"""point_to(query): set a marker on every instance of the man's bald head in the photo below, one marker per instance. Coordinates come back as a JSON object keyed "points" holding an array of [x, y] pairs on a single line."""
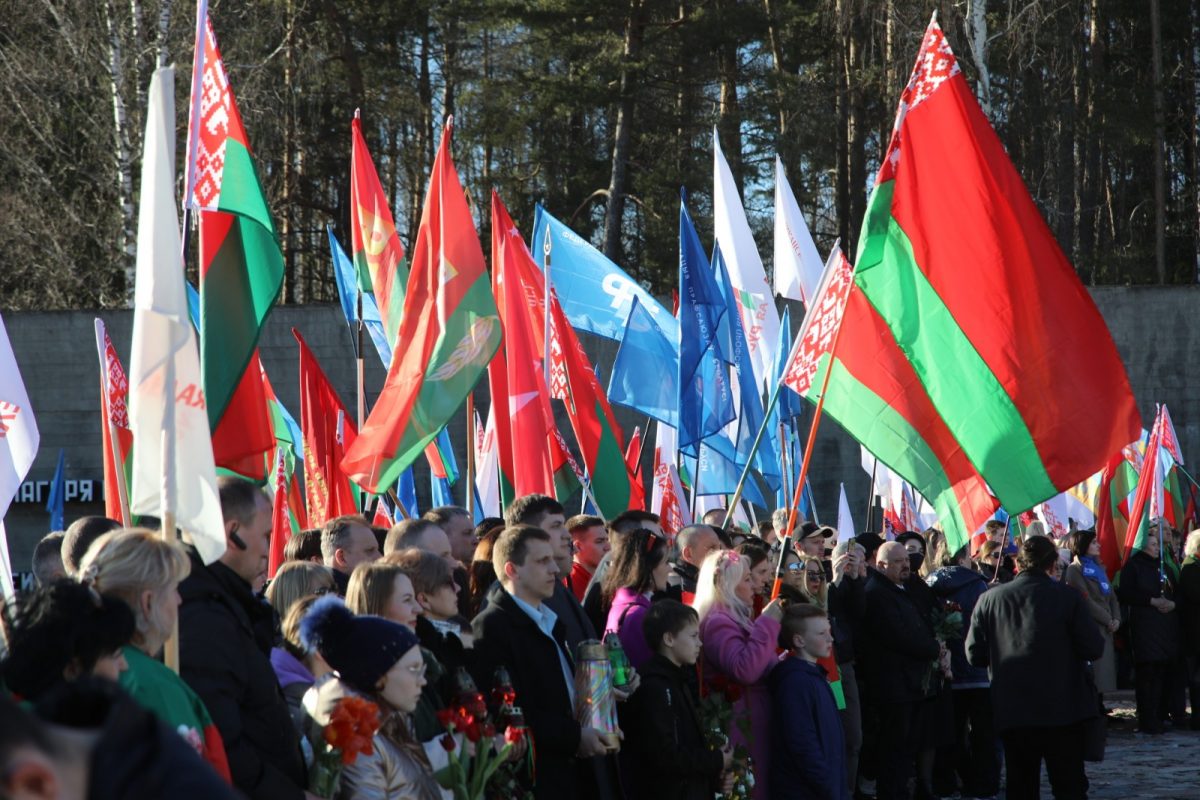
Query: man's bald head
{"points": [[891, 559]]}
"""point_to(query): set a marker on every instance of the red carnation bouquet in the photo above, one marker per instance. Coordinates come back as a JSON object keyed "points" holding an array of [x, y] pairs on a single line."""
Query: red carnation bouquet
{"points": [[349, 732], [476, 755]]}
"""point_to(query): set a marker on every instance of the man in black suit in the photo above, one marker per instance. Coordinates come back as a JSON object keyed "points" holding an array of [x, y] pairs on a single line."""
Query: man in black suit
{"points": [[1036, 637], [900, 652], [519, 631]]}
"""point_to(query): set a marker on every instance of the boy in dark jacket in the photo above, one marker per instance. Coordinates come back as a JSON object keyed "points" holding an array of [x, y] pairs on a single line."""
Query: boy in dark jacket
{"points": [[808, 755], [667, 754]]}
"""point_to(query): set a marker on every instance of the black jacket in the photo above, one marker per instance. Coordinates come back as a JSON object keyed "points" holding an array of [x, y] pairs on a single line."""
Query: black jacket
{"points": [[964, 587], [899, 649], [1189, 604], [506, 636], [224, 646], [808, 747], [576, 624], [1036, 636], [847, 609], [1155, 634], [668, 758]]}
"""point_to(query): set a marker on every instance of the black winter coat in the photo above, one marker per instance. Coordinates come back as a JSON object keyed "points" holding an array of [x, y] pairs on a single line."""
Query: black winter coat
{"points": [[1035, 636], [506, 636], [964, 587], [1189, 605], [668, 758], [847, 609], [1155, 634], [224, 655], [898, 650]]}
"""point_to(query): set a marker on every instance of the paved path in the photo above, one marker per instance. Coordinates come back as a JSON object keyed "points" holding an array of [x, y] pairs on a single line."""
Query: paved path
{"points": [[1163, 767]]}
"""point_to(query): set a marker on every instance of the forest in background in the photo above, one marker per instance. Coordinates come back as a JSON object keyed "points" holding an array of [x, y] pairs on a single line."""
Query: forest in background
{"points": [[598, 109]]}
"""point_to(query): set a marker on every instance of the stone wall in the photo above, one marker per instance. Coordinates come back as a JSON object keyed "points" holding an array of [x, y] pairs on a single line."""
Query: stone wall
{"points": [[1155, 330]]}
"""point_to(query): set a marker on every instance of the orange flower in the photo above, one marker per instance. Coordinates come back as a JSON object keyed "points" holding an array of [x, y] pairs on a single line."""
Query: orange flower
{"points": [[351, 725]]}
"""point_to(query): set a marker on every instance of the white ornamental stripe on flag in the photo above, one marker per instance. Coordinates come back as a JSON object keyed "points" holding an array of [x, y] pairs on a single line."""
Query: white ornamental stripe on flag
{"points": [[797, 264], [166, 405], [19, 440], [667, 499], [821, 322], [756, 301], [487, 460]]}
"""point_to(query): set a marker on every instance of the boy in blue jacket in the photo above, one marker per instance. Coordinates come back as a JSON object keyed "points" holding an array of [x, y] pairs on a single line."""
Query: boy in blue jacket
{"points": [[808, 751]]}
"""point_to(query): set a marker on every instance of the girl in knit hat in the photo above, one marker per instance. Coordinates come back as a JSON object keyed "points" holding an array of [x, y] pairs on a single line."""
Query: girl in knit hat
{"points": [[381, 661]]}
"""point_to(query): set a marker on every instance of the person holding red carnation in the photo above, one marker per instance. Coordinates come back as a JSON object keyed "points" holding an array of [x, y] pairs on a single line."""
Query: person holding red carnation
{"points": [[377, 660]]}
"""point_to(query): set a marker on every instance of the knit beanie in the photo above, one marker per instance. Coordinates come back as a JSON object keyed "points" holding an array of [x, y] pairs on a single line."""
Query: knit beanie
{"points": [[362, 649]]}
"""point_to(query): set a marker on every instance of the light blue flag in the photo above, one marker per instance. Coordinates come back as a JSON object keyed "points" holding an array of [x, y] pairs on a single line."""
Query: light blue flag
{"points": [[347, 285], [750, 412], [644, 372], [439, 492], [56, 502], [706, 403], [595, 294], [193, 305]]}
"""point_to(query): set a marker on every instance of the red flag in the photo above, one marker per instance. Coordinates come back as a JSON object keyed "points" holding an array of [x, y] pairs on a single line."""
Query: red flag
{"points": [[633, 454], [1149, 484], [281, 525], [540, 462], [328, 432], [114, 414], [243, 439]]}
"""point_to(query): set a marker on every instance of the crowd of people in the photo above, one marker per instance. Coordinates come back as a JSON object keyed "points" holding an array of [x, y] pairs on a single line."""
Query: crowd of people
{"points": [[815, 666]]}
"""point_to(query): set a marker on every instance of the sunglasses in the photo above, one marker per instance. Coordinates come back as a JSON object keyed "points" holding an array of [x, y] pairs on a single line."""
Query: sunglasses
{"points": [[814, 576]]}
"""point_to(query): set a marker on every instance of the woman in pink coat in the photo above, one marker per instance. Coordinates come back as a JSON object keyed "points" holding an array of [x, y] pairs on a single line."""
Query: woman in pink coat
{"points": [[739, 650]]}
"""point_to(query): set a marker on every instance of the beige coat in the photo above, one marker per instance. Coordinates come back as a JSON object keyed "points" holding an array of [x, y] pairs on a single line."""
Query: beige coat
{"points": [[389, 773], [1104, 609]]}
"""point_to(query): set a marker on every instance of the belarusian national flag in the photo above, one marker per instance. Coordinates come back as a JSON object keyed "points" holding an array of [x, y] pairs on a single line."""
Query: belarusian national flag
{"points": [[539, 460], [329, 432], [378, 253], [241, 266], [449, 329], [115, 434], [633, 455], [956, 263], [281, 526]]}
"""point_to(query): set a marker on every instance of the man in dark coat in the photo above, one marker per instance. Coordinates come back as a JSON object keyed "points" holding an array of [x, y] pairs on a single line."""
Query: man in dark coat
{"points": [[1150, 590], [225, 635], [520, 632], [1036, 637], [899, 653]]}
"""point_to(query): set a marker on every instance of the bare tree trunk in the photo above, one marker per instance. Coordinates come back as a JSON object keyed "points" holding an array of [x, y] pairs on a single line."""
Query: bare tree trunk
{"points": [[127, 236], [1160, 134], [777, 61], [615, 210], [162, 56], [1194, 10], [449, 64], [977, 36], [856, 129], [729, 117], [842, 139], [287, 204], [1089, 198]]}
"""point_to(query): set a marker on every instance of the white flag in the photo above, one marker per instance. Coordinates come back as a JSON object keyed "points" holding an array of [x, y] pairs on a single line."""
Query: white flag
{"points": [[756, 302], [167, 410], [667, 499], [19, 440], [845, 526], [797, 265], [487, 467]]}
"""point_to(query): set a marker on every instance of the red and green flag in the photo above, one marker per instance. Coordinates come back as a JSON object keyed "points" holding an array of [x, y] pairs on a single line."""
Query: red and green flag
{"points": [[957, 264], [241, 266], [533, 457], [114, 429], [243, 441], [378, 255], [875, 394], [449, 330]]}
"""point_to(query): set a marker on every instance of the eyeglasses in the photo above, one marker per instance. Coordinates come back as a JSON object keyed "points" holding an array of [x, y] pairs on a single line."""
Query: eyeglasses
{"points": [[320, 591], [794, 568], [814, 576], [418, 671]]}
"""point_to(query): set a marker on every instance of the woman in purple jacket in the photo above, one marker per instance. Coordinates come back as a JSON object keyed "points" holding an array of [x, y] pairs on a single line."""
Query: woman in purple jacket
{"points": [[739, 650], [638, 568]]}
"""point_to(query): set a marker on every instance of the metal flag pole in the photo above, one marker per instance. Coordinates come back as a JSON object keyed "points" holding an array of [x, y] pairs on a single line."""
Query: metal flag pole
{"points": [[470, 488], [871, 496]]}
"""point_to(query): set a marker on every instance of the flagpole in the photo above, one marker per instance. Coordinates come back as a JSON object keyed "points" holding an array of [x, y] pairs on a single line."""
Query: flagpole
{"points": [[1000, 553], [470, 488], [167, 498], [546, 308], [787, 472], [762, 429]]}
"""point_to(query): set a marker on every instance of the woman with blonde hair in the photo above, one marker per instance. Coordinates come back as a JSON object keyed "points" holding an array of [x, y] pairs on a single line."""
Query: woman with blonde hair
{"points": [[296, 580], [739, 650], [144, 570]]}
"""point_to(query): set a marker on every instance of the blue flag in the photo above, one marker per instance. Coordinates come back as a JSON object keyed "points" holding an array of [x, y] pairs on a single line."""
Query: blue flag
{"points": [[645, 369], [716, 471], [55, 503], [705, 401], [439, 492], [749, 400], [595, 294], [347, 285], [406, 490]]}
